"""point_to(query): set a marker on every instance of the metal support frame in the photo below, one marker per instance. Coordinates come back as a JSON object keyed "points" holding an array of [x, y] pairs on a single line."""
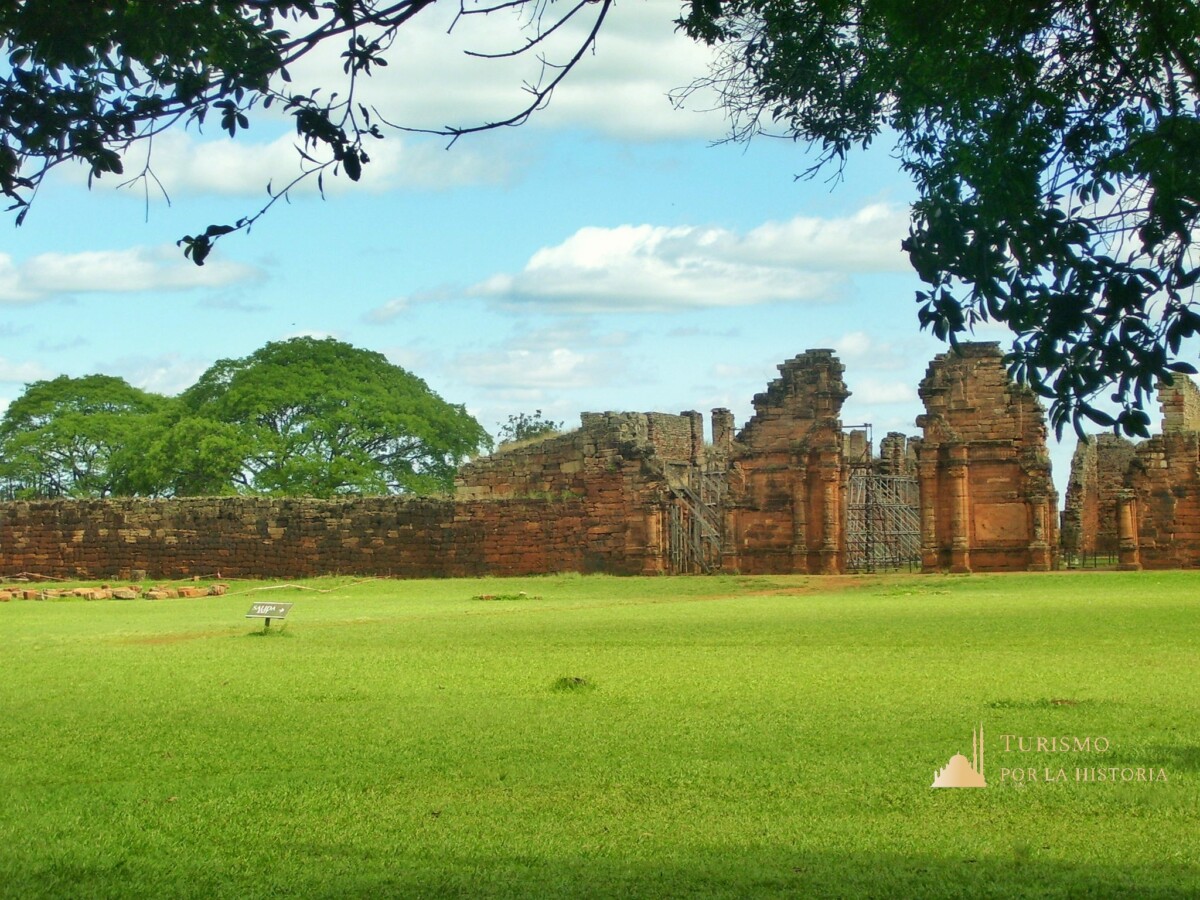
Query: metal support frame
{"points": [[695, 524], [883, 521]]}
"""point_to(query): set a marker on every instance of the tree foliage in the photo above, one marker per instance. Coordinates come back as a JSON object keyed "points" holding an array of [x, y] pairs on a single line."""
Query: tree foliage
{"points": [[86, 81], [303, 417], [320, 417], [1055, 148], [70, 437], [523, 426]]}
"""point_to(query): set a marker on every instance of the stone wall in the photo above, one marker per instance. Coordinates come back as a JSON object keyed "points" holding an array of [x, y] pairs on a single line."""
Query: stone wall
{"points": [[987, 499], [272, 538], [635, 493], [1099, 468], [1158, 516], [619, 464], [787, 473]]}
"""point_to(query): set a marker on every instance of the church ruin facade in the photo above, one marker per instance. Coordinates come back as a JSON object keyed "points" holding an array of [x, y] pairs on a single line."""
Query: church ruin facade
{"points": [[794, 491]]}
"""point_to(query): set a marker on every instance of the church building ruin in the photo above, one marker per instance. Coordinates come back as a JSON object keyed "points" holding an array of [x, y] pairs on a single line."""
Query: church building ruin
{"points": [[796, 492], [1140, 501]]}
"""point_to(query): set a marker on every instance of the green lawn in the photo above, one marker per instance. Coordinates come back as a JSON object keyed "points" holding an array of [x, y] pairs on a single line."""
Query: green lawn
{"points": [[603, 737]]}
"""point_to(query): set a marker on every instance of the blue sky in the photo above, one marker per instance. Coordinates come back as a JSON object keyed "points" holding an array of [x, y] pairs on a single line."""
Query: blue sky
{"points": [[604, 256]]}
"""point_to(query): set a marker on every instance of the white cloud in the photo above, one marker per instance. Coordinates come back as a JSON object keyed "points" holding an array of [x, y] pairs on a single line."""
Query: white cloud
{"points": [[879, 393], [647, 267], [22, 371], [397, 306], [186, 164], [167, 373], [854, 345], [859, 351], [135, 270], [560, 368], [621, 89]]}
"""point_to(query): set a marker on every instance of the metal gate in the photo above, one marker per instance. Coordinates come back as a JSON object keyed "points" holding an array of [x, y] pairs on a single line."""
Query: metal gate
{"points": [[695, 525], [883, 521]]}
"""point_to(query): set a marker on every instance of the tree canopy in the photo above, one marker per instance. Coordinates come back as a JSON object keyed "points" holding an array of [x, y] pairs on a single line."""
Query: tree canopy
{"points": [[321, 417], [70, 437], [302, 417], [87, 81], [1055, 148]]}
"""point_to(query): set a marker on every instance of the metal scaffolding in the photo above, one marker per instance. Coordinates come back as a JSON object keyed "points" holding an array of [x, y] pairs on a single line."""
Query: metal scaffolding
{"points": [[883, 521], [695, 525]]}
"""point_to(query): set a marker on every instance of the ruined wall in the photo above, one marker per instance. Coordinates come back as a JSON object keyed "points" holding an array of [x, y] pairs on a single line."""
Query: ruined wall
{"points": [[786, 477], [1159, 516], [987, 499], [635, 446], [1099, 469], [641, 493], [619, 464], [256, 537], [897, 455]]}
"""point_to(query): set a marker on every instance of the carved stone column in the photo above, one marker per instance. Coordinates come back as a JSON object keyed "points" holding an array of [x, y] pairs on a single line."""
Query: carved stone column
{"points": [[1039, 546], [831, 514], [800, 520], [1129, 554], [657, 549], [927, 475], [960, 510]]}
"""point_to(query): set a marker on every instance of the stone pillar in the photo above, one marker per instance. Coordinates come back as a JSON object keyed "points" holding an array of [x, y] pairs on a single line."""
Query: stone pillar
{"points": [[831, 514], [927, 479], [856, 446], [800, 501], [960, 510], [696, 420], [1039, 547], [655, 561], [1129, 553], [722, 430]]}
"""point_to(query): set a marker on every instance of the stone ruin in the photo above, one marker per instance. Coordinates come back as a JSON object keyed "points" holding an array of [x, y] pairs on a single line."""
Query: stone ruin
{"points": [[988, 501], [1140, 502], [796, 492], [793, 491]]}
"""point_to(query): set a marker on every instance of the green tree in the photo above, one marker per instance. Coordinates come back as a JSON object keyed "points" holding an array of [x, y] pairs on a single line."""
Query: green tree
{"points": [[179, 454], [85, 81], [319, 417], [1055, 148], [69, 437], [523, 426]]}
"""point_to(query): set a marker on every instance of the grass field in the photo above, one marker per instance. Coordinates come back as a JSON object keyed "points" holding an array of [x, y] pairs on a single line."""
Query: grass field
{"points": [[602, 737]]}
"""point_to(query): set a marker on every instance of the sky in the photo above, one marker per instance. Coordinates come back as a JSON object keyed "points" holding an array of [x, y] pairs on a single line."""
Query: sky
{"points": [[613, 253]]}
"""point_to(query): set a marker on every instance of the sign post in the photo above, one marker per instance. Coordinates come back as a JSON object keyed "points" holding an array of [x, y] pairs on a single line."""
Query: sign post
{"points": [[268, 611]]}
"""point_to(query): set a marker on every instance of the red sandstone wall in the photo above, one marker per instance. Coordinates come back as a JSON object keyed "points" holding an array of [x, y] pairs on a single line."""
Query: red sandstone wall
{"points": [[253, 537], [1099, 471], [987, 499], [1165, 480], [614, 463], [581, 462], [786, 479]]}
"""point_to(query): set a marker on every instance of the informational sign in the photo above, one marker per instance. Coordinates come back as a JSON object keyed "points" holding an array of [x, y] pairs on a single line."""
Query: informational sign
{"points": [[269, 611]]}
